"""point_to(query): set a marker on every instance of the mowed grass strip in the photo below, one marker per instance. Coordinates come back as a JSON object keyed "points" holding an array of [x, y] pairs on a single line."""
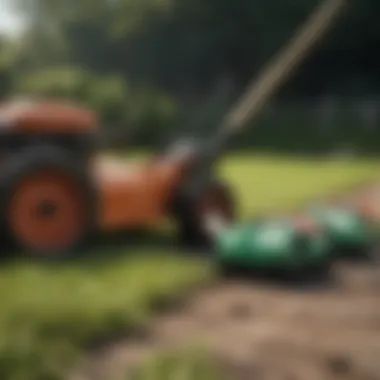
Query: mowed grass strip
{"points": [[50, 314], [265, 184]]}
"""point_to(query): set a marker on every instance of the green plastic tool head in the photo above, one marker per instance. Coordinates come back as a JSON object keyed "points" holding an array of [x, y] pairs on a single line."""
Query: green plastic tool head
{"points": [[271, 244], [345, 227]]}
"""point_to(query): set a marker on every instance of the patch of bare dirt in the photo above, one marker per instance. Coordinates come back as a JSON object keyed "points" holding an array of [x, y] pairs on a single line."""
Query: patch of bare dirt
{"points": [[267, 332]]}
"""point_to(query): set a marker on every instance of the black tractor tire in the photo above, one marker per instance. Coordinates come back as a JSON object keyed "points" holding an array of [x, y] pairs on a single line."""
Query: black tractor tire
{"points": [[190, 210], [72, 201]]}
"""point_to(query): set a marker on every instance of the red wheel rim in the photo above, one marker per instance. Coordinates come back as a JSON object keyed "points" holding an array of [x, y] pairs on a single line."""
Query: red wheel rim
{"points": [[47, 211]]}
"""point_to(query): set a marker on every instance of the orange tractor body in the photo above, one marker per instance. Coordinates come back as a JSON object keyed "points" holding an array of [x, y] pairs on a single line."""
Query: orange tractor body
{"points": [[133, 195], [56, 187]]}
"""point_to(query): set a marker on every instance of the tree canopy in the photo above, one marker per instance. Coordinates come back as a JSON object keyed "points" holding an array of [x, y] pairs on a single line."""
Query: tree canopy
{"points": [[187, 46], [155, 62]]}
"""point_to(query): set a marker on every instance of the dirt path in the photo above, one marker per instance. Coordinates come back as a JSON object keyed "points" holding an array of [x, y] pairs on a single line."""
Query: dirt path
{"points": [[262, 331]]}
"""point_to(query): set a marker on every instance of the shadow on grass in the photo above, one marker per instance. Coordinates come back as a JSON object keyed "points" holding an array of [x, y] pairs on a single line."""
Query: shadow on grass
{"points": [[102, 248], [308, 279], [132, 243]]}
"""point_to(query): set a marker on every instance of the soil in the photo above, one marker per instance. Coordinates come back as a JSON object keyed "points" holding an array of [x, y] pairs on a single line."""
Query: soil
{"points": [[269, 331]]}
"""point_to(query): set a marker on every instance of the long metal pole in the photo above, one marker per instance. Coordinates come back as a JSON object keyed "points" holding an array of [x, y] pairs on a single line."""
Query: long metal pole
{"points": [[280, 69]]}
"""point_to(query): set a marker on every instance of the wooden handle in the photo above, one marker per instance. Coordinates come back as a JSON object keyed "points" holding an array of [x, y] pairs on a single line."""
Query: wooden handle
{"points": [[280, 69]]}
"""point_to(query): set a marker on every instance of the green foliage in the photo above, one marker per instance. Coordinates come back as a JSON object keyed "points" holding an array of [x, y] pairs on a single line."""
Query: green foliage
{"points": [[8, 57], [105, 52], [63, 82], [182, 43], [144, 109], [298, 128], [155, 113], [110, 96]]}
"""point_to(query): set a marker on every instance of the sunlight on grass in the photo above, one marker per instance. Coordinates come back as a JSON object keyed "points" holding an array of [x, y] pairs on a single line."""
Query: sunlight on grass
{"points": [[266, 185]]}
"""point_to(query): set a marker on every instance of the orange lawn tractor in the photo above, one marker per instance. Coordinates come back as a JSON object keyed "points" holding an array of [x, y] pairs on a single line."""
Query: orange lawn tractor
{"points": [[56, 190]]}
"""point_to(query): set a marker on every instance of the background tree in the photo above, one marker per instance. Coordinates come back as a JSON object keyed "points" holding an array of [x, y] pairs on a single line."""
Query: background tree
{"points": [[199, 52]]}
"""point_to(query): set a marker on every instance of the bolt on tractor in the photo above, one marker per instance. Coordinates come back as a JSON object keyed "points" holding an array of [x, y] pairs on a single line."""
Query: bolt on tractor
{"points": [[57, 190]]}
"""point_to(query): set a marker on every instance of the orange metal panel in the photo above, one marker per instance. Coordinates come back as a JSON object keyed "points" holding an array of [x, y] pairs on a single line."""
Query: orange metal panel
{"points": [[133, 195], [46, 117]]}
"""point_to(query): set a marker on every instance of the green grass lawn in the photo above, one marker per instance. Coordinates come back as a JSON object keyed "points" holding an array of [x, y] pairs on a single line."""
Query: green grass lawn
{"points": [[187, 364], [265, 184], [49, 314]]}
